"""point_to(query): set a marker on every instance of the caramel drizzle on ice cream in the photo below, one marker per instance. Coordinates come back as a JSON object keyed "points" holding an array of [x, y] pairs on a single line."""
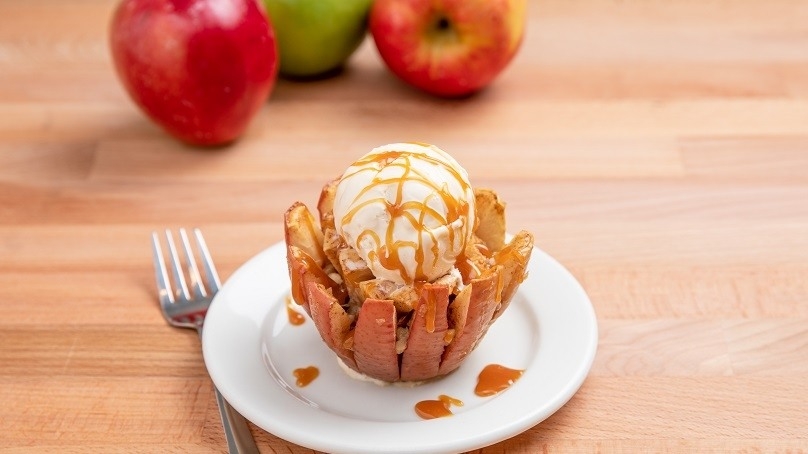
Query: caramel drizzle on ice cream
{"points": [[388, 250]]}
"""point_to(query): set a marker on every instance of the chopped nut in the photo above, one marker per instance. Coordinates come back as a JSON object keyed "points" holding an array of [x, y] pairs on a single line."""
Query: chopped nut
{"points": [[402, 334], [405, 298]]}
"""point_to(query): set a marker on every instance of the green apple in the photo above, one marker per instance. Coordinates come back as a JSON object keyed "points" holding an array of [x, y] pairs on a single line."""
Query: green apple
{"points": [[316, 37]]}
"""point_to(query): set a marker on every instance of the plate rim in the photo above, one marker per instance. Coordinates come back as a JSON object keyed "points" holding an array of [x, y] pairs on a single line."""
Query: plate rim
{"points": [[518, 424]]}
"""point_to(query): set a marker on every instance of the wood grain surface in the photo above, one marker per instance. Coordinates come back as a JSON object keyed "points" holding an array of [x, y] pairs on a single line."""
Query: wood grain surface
{"points": [[658, 149]]}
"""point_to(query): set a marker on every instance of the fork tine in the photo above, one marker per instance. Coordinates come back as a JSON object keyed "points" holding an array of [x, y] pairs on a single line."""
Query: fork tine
{"points": [[197, 287], [190, 313], [207, 262], [160, 273], [177, 267]]}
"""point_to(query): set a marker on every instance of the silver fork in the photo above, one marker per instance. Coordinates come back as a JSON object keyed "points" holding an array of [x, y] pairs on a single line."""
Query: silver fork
{"points": [[185, 309]]}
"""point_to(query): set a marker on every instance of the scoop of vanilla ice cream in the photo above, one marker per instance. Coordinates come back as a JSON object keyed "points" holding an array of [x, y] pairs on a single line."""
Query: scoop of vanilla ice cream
{"points": [[408, 211]]}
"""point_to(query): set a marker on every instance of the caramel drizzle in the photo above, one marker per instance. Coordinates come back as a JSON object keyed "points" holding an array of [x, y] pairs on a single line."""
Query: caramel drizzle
{"points": [[431, 311], [305, 375], [431, 409], [389, 254], [496, 378], [311, 266], [295, 317]]}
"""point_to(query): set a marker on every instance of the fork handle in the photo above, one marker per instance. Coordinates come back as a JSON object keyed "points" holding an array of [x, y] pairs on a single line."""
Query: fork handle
{"points": [[236, 431], [239, 438]]}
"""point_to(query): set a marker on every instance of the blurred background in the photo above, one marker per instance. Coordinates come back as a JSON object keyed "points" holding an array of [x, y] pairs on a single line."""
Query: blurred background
{"points": [[602, 96]]}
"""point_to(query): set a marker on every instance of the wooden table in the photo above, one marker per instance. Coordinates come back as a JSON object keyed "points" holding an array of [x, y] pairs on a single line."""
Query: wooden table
{"points": [[659, 150]]}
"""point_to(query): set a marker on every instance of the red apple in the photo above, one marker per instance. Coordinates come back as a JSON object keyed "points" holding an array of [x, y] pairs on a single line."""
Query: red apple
{"points": [[199, 68], [447, 47]]}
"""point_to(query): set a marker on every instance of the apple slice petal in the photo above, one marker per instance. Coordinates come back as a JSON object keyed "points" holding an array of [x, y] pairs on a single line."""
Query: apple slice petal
{"points": [[303, 270], [490, 218], [422, 357], [299, 276], [375, 340], [481, 306], [325, 204], [459, 310], [514, 258], [304, 254], [331, 320], [302, 230]]}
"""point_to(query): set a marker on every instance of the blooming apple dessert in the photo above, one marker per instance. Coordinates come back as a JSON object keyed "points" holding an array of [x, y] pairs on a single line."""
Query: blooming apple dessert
{"points": [[407, 266]]}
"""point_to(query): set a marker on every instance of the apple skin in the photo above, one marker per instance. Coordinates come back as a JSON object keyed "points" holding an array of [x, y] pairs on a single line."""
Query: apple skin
{"points": [[448, 48], [201, 69], [316, 37]]}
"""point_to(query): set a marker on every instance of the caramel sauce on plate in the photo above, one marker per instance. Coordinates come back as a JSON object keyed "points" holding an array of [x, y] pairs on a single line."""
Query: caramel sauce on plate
{"points": [[495, 378], [295, 317], [431, 409], [305, 375]]}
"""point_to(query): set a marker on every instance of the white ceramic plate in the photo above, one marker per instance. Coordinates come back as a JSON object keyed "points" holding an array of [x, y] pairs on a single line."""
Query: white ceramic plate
{"points": [[251, 351]]}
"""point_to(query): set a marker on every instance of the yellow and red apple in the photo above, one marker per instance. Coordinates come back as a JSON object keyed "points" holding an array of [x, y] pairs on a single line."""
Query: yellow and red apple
{"points": [[201, 69], [448, 47]]}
